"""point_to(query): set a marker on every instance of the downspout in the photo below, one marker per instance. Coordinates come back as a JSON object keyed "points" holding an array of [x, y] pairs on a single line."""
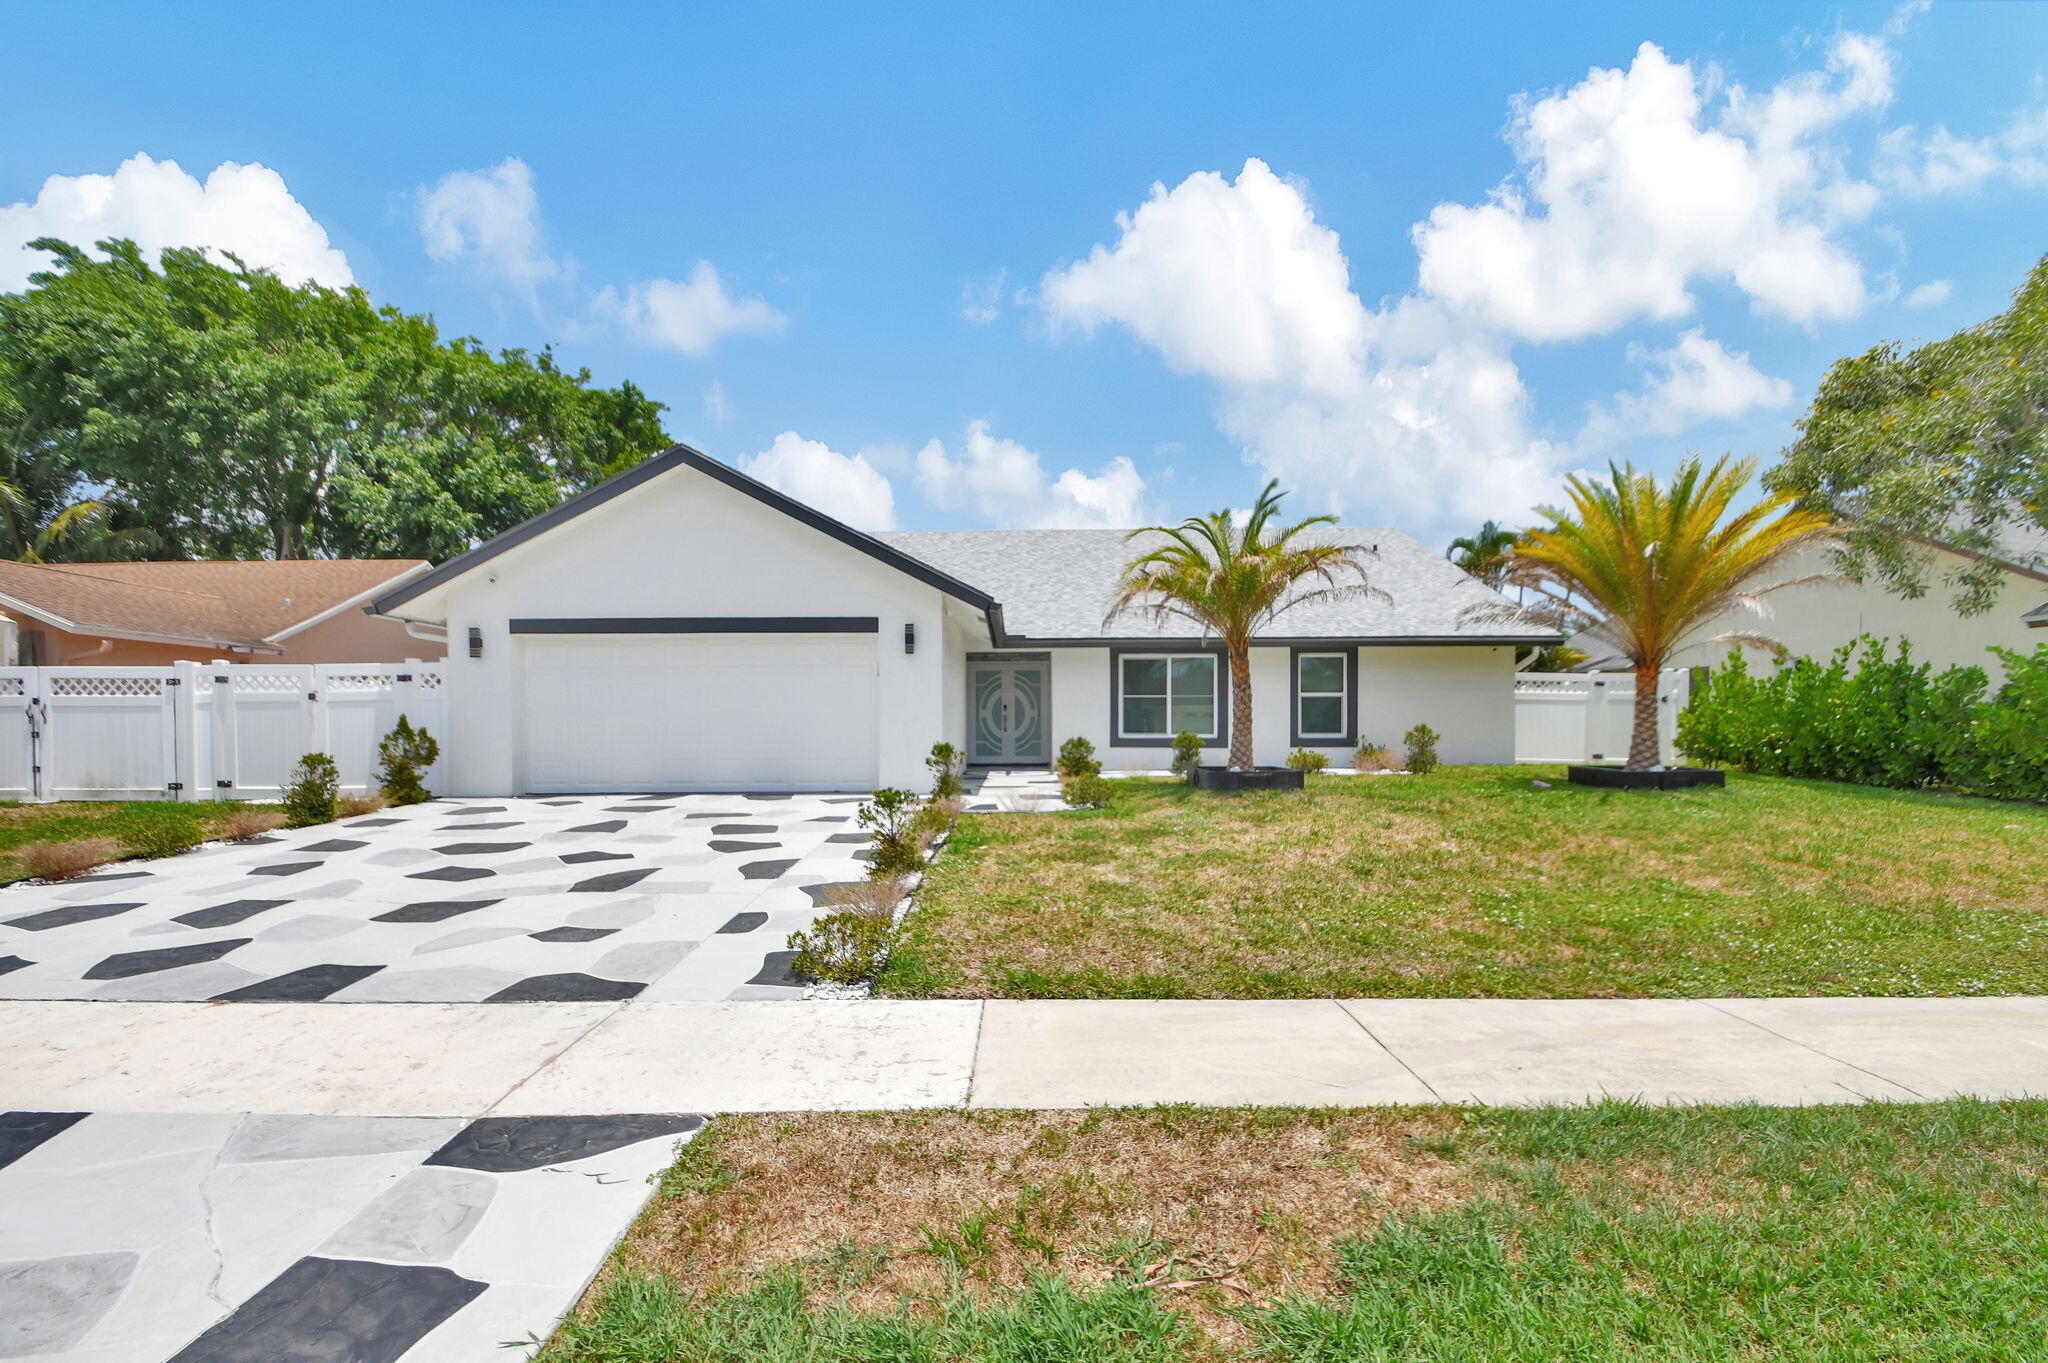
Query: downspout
{"points": [[106, 647], [420, 629]]}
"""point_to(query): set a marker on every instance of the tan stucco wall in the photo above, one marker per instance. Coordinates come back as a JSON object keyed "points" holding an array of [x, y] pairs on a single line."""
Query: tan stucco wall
{"points": [[350, 637]]}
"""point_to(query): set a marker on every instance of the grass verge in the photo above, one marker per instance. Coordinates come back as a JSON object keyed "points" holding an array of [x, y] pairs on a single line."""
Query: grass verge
{"points": [[137, 825], [1474, 883], [1833, 1233]]}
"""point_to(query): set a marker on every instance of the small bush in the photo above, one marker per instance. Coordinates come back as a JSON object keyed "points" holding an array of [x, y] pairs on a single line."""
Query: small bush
{"points": [[1090, 791], [67, 860], [355, 806], [164, 838], [1187, 752], [946, 763], [311, 791], [952, 806], [876, 898], [1421, 741], [1372, 757], [841, 948], [890, 819], [245, 824], [1077, 758], [403, 758], [1308, 760]]}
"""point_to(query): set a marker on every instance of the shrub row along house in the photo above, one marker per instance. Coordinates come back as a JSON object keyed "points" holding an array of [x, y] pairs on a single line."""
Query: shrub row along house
{"points": [[684, 627]]}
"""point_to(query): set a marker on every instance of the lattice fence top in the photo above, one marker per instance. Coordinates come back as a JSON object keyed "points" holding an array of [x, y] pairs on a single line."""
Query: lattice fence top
{"points": [[356, 681], [13, 686], [106, 686], [267, 683], [1537, 686], [429, 681]]}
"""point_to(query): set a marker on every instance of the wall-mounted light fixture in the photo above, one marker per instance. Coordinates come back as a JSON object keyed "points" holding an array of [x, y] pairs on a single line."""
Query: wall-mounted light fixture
{"points": [[476, 642], [910, 636]]}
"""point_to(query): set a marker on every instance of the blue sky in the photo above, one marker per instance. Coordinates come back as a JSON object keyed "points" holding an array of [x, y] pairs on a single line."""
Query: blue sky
{"points": [[1414, 261]]}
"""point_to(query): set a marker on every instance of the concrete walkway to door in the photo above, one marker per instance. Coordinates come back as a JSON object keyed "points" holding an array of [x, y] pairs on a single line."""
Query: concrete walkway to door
{"points": [[472, 1060]]}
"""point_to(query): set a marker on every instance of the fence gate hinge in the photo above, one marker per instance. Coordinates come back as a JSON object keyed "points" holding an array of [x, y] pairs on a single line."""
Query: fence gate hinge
{"points": [[220, 681], [225, 785], [174, 681], [175, 785], [403, 676]]}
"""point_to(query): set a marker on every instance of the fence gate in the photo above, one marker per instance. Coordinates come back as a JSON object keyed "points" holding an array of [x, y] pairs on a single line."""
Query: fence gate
{"points": [[1589, 716]]}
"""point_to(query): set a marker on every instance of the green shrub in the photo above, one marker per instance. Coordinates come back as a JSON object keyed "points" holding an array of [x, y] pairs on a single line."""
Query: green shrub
{"points": [[311, 791], [1088, 791], [1879, 720], [890, 819], [402, 761], [1421, 741], [1077, 758], [1308, 760], [841, 948], [1187, 752], [946, 762]]}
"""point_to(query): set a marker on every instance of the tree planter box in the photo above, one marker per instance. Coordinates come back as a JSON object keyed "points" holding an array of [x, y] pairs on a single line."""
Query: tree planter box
{"points": [[1672, 778], [1254, 778]]}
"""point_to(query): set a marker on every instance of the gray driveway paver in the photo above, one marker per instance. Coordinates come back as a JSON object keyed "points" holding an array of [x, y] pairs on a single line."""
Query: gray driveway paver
{"points": [[141, 1237], [563, 899]]}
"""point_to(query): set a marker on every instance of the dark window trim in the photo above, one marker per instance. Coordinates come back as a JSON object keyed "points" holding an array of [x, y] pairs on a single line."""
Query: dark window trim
{"points": [[1174, 649], [702, 624], [1287, 641], [1347, 739]]}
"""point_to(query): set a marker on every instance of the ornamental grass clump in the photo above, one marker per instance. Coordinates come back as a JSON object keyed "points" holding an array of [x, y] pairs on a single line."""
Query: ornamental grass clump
{"points": [[1372, 757], [245, 824], [67, 860]]}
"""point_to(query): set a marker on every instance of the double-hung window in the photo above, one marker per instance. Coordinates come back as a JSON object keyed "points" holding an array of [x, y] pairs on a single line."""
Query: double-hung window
{"points": [[1322, 689], [1160, 694]]}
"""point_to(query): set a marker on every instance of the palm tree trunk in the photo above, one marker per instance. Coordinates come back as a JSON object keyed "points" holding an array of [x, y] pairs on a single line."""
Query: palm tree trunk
{"points": [[1240, 706], [1643, 752]]}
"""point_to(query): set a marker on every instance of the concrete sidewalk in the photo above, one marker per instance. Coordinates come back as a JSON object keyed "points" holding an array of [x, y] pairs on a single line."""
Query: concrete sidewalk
{"points": [[469, 1060]]}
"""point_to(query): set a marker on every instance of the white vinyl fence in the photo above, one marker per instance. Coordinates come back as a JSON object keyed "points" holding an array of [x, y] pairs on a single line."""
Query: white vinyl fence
{"points": [[1587, 716], [201, 731]]}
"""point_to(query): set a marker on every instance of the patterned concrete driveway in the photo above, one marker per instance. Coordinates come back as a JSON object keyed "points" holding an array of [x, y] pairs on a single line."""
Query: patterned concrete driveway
{"points": [[503, 901], [139, 1238]]}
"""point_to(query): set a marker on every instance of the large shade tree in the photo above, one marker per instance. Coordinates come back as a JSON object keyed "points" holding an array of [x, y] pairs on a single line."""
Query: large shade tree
{"points": [[1946, 442], [235, 415], [1231, 576], [1649, 567]]}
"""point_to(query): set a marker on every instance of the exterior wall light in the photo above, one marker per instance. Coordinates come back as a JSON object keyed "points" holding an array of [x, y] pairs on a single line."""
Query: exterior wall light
{"points": [[476, 642], [910, 636]]}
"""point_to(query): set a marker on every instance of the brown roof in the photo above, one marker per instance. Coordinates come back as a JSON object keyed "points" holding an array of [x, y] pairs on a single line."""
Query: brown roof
{"points": [[247, 603]]}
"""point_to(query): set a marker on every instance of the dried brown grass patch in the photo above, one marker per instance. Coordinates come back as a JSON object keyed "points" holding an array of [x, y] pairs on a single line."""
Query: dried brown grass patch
{"points": [[922, 1202], [68, 860], [244, 824], [355, 806]]}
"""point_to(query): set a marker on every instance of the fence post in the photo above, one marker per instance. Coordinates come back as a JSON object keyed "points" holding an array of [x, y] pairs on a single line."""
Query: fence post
{"points": [[187, 765], [316, 710], [226, 740]]}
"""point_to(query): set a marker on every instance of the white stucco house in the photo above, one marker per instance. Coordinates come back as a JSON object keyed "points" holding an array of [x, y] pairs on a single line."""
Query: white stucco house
{"points": [[684, 627]]}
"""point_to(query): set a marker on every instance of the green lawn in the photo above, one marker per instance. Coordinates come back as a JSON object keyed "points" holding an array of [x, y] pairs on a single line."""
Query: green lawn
{"points": [[127, 822], [1615, 1231], [1472, 882]]}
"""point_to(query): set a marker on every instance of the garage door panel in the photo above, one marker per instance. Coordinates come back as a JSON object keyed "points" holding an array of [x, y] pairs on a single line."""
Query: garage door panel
{"points": [[699, 713]]}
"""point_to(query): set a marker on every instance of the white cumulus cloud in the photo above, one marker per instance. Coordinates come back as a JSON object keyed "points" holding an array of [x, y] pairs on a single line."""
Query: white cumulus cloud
{"points": [[691, 315], [243, 209], [1005, 484], [1942, 162], [844, 486], [1932, 294], [1698, 379], [489, 218]]}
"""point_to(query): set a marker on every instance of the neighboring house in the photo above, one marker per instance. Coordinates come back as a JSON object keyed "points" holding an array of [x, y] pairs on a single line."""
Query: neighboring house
{"points": [[1815, 620], [683, 627], [146, 614]]}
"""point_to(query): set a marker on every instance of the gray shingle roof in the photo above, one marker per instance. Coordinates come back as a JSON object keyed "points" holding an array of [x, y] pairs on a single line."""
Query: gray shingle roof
{"points": [[1056, 584]]}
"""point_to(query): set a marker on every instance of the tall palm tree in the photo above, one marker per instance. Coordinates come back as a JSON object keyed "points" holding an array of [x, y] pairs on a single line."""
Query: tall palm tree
{"points": [[1653, 566], [1232, 577], [1485, 554], [78, 532]]}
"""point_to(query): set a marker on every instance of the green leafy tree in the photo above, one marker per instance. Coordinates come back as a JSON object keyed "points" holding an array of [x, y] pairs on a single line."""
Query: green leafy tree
{"points": [[1485, 554], [1646, 566], [1232, 577], [235, 415], [1945, 442]]}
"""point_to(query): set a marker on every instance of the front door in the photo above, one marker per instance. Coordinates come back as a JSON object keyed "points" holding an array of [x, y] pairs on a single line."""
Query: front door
{"points": [[1006, 718]]}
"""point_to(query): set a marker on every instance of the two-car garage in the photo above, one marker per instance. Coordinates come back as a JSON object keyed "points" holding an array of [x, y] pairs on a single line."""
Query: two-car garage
{"points": [[697, 711]]}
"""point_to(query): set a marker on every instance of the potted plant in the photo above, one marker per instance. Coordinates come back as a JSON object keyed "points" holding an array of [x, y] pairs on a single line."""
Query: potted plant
{"points": [[1645, 568], [1231, 578]]}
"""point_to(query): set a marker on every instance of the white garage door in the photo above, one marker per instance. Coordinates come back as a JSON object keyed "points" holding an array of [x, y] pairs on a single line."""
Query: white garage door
{"points": [[607, 713]]}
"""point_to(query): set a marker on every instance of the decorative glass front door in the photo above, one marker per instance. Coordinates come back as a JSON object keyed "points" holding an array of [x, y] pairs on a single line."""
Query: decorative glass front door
{"points": [[1006, 722]]}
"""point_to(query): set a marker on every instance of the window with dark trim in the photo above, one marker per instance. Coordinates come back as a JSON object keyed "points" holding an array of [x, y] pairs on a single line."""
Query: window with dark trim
{"points": [[1324, 694], [1159, 694]]}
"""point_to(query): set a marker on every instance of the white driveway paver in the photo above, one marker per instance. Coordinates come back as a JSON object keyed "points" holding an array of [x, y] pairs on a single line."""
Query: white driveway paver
{"points": [[563, 899]]}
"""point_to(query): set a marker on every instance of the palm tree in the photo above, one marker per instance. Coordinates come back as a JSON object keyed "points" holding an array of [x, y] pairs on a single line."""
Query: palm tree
{"points": [[1656, 565], [77, 533], [1484, 555], [1232, 577]]}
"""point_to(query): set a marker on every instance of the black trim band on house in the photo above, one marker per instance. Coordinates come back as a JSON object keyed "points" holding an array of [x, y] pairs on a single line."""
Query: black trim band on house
{"points": [[702, 624], [674, 456], [1196, 643]]}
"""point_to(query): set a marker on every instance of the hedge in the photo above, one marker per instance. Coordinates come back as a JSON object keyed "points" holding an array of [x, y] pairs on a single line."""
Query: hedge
{"points": [[1878, 720]]}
